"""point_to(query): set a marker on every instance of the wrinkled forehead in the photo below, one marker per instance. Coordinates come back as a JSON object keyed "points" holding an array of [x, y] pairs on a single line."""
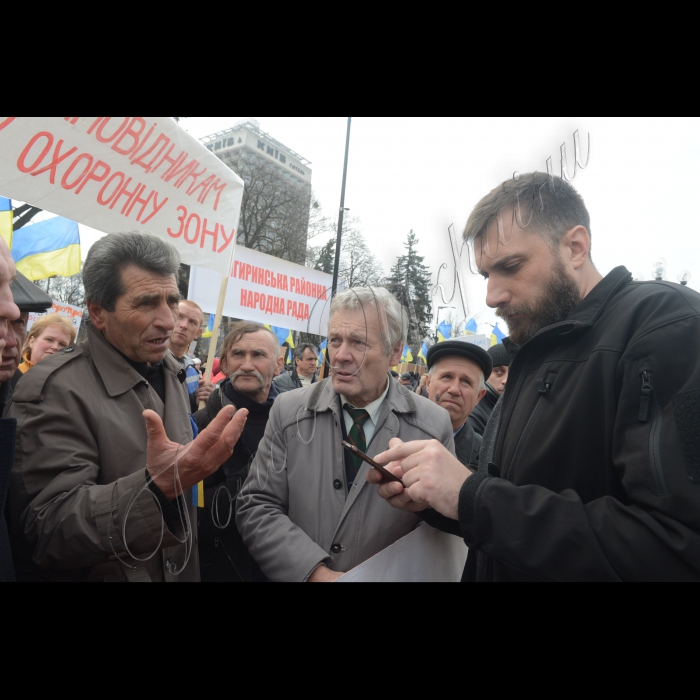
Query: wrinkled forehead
{"points": [[255, 342], [504, 238], [190, 312], [359, 323]]}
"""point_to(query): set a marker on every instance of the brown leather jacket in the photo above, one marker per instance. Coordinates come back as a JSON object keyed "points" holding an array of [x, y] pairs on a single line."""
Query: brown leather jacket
{"points": [[80, 458]]}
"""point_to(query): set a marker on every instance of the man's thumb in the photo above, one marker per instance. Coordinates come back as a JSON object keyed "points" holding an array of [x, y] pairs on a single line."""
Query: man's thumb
{"points": [[154, 425]]}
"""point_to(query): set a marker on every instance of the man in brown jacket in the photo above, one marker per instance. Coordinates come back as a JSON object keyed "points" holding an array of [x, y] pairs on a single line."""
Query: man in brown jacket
{"points": [[97, 492]]}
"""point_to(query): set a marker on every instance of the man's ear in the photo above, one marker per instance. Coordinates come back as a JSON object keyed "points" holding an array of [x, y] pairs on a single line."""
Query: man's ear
{"points": [[577, 246], [427, 383], [199, 335], [280, 366], [97, 315], [396, 356], [482, 393]]}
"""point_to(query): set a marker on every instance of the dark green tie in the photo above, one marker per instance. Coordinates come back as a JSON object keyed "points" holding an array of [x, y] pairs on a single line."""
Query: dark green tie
{"points": [[357, 433]]}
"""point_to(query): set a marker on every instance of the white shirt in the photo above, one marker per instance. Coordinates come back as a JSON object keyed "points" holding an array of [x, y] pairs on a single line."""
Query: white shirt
{"points": [[374, 409], [305, 381]]}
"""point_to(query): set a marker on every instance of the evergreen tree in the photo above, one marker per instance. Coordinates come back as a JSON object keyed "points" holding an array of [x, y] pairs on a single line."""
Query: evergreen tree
{"points": [[326, 260], [410, 284]]}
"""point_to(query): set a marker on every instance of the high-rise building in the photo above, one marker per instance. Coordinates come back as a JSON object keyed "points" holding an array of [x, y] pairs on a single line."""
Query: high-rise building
{"points": [[277, 196]]}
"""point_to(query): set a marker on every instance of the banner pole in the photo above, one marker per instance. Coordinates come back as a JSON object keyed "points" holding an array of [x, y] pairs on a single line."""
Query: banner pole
{"points": [[215, 335]]}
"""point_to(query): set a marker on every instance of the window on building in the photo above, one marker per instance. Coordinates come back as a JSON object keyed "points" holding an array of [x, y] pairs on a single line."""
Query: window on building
{"points": [[217, 146], [231, 142], [261, 145], [283, 159]]}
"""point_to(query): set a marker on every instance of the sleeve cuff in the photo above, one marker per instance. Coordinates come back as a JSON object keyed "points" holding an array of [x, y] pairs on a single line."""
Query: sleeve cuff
{"points": [[467, 500], [441, 523], [171, 512]]}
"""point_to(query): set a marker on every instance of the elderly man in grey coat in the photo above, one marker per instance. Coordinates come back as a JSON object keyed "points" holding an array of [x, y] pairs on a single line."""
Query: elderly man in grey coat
{"points": [[306, 512]]}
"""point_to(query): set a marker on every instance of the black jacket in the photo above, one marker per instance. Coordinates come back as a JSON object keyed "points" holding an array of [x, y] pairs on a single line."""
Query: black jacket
{"points": [[480, 415], [223, 556], [289, 382], [467, 446], [8, 429], [595, 474]]}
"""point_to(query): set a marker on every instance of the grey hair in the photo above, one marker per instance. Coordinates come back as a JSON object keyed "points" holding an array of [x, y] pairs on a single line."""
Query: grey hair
{"points": [[393, 319], [107, 259], [299, 353], [547, 204], [482, 377]]}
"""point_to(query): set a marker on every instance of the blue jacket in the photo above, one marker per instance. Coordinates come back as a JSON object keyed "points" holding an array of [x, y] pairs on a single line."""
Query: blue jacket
{"points": [[8, 430]]}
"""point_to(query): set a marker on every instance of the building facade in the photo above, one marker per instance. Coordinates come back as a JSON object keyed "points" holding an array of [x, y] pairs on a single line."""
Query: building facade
{"points": [[277, 197]]}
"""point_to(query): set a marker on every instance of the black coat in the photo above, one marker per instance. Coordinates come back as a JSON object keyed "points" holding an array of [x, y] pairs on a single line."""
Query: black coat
{"points": [[595, 474], [467, 446], [8, 429], [223, 556], [482, 413]]}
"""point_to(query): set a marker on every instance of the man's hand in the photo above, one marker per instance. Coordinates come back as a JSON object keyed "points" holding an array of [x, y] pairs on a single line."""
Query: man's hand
{"points": [[433, 477], [206, 389], [196, 461], [324, 575]]}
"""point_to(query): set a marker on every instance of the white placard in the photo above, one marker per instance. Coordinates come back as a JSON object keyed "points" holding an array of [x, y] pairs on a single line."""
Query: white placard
{"points": [[480, 340], [73, 313], [268, 290], [123, 174], [424, 556]]}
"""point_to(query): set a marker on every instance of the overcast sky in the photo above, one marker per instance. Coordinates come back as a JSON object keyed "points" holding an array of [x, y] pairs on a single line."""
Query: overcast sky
{"points": [[425, 173]]}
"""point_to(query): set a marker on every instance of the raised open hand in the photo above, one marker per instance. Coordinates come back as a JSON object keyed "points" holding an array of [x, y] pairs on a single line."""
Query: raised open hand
{"points": [[196, 461]]}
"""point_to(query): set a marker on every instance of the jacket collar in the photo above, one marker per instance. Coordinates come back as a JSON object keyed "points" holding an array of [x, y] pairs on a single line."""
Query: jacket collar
{"points": [[397, 401], [118, 375], [587, 312]]}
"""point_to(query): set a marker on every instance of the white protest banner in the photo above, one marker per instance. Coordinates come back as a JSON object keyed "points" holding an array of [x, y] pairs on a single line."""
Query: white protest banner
{"points": [[124, 174], [424, 556], [480, 340], [73, 313], [268, 290]]}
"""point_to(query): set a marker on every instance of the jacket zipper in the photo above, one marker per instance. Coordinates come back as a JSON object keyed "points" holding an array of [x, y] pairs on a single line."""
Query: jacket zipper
{"points": [[544, 389], [650, 409]]}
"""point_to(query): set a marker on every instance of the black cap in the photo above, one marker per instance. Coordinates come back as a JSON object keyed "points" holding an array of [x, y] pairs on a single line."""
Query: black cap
{"points": [[406, 377], [28, 296], [500, 356], [460, 347]]}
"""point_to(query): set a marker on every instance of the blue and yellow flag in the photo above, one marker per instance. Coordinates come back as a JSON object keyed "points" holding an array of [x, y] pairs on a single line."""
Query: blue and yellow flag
{"points": [[284, 335], [6, 219], [198, 495], [322, 352], [423, 355], [497, 337], [209, 333], [407, 355], [444, 332], [472, 327], [47, 249]]}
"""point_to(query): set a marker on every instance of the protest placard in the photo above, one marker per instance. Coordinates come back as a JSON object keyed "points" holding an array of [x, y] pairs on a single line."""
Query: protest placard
{"points": [[73, 313], [268, 290], [123, 174]]}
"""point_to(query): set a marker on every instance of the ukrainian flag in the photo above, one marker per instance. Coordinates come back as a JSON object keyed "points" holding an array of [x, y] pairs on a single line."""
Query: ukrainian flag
{"points": [[47, 249], [284, 335], [497, 337], [407, 355], [472, 327], [423, 355], [321, 352], [6, 219], [210, 328], [444, 332]]}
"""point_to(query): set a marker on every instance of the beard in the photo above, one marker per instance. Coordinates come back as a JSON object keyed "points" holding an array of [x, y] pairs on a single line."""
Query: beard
{"points": [[560, 297]]}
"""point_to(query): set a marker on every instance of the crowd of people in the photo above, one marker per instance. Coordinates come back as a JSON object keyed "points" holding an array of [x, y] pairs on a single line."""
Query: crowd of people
{"points": [[569, 453]]}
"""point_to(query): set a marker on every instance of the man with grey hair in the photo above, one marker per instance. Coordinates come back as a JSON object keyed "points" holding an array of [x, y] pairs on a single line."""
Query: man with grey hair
{"points": [[590, 468], [304, 373], [105, 457], [305, 512]]}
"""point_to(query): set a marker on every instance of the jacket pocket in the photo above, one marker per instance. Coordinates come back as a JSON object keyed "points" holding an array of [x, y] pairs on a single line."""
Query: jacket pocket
{"points": [[650, 412], [544, 386]]}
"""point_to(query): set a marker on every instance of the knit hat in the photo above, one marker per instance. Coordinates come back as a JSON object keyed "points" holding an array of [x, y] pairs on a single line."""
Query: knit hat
{"points": [[500, 356]]}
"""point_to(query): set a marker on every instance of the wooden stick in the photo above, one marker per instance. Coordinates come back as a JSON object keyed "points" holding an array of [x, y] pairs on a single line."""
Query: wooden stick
{"points": [[215, 336]]}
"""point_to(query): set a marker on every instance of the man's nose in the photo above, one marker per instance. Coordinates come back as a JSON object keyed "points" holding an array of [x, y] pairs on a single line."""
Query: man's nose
{"points": [[453, 388], [165, 318], [497, 294], [344, 355]]}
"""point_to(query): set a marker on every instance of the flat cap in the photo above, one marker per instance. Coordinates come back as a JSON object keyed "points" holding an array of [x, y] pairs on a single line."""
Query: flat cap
{"points": [[461, 347], [28, 296]]}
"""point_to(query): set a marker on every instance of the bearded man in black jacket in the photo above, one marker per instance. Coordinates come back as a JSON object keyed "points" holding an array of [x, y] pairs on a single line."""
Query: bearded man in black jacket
{"points": [[250, 357], [590, 467]]}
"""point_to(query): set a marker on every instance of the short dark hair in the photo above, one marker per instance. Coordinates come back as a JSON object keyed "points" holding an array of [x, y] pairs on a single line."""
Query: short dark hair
{"points": [[549, 205], [301, 350], [102, 273], [238, 330]]}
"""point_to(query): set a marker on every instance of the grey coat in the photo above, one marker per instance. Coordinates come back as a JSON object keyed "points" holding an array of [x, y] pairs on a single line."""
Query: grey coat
{"points": [[79, 459], [294, 511]]}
